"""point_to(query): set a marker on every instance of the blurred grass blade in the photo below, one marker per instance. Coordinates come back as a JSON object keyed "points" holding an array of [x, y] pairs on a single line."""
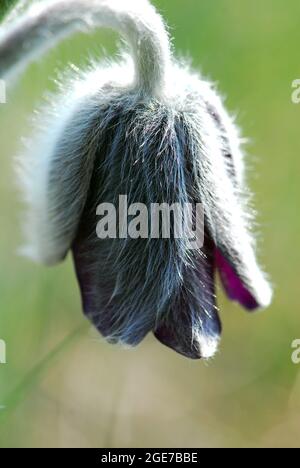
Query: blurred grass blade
{"points": [[17, 395]]}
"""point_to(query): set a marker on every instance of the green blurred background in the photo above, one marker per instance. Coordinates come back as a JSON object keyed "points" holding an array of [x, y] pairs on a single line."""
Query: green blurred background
{"points": [[62, 385]]}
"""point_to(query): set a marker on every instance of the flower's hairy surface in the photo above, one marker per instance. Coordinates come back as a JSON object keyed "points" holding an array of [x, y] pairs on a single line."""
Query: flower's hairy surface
{"points": [[147, 127]]}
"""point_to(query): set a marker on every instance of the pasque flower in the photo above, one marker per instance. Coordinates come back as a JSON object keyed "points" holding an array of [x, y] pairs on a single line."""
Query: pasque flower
{"points": [[148, 127]]}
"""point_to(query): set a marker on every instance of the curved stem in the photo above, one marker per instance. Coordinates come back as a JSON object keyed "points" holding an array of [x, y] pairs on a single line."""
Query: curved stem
{"points": [[48, 22]]}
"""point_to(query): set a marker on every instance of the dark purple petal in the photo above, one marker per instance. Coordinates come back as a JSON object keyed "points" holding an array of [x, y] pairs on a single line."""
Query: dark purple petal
{"points": [[224, 202], [126, 284], [110, 302], [233, 285], [192, 326]]}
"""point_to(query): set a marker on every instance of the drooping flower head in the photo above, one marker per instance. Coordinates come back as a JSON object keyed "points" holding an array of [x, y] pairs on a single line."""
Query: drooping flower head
{"points": [[149, 128]]}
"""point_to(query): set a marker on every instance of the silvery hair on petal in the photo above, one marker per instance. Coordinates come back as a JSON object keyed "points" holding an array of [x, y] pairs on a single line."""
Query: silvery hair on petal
{"points": [[147, 127]]}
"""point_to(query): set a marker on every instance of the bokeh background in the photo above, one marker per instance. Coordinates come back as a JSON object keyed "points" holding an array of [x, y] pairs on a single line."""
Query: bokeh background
{"points": [[62, 385]]}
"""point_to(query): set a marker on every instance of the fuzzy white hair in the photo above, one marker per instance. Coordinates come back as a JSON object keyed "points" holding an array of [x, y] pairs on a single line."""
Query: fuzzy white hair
{"points": [[21, 41], [150, 101], [48, 22]]}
